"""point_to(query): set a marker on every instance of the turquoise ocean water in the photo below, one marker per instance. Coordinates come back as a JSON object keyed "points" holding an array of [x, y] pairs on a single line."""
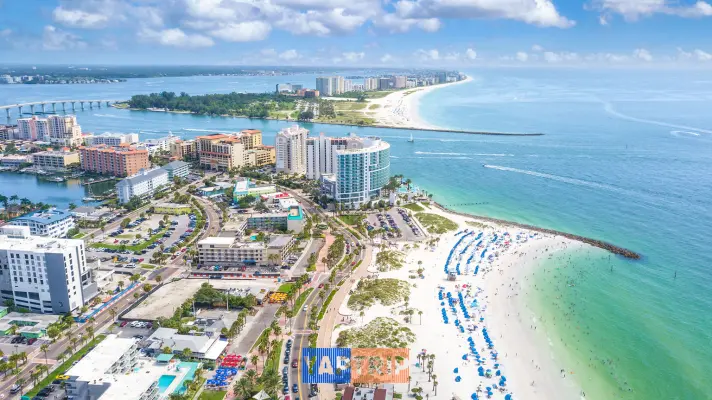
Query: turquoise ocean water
{"points": [[626, 158]]}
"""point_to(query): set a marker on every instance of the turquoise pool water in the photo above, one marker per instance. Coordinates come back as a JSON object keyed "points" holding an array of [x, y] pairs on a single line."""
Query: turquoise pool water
{"points": [[189, 376], [164, 382]]}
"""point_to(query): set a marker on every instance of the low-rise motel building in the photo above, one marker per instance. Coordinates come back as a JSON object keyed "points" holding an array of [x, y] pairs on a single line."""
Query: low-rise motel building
{"points": [[55, 160]]}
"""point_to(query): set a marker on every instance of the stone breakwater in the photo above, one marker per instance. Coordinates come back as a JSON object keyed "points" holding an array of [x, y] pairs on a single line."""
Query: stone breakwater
{"points": [[593, 242]]}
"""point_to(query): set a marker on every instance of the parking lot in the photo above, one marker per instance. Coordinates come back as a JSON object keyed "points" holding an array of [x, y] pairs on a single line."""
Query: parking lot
{"points": [[8, 347], [180, 227], [396, 218]]}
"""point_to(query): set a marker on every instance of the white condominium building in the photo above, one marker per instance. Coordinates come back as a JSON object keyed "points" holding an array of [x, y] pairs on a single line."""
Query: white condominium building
{"points": [[290, 145], [370, 84], [323, 85], [112, 139], [227, 251], [143, 184], [321, 155], [33, 128], [160, 145], [52, 223], [45, 275]]}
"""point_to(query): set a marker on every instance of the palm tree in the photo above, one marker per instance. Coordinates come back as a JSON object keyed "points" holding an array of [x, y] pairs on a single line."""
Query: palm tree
{"points": [[271, 382], [113, 312], [187, 353], [420, 315], [74, 341], [435, 387], [244, 388], [3, 200], [43, 348], [90, 331], [72, 206], [159, 279], [42, 368], [253, 359], [20, 382]]}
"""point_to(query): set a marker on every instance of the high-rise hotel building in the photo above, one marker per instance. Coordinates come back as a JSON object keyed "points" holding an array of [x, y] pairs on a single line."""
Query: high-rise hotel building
{"points": [[290, 145], [42, 274]]}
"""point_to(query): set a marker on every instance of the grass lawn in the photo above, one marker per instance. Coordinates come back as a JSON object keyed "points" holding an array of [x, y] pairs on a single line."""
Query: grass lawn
{"points": [[137, 247], [212, 395], [126, 236], [414, 207], [374, 106], [302, 298], [378, 94], [148, 266], [351, 219], [286, 287], [79, 235], [65, 366], [326, 304], [435, 223]]}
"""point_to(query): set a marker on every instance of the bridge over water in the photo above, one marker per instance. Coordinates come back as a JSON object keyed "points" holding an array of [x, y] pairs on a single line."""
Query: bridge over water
{"points": [[53, 103]]}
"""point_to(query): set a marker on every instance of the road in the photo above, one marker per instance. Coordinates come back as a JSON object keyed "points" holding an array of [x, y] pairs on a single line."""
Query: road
{"points": [[327, 324]]}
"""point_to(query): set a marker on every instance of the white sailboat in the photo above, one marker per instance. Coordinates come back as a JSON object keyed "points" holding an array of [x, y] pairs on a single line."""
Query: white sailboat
{"points": [[411, 139]]}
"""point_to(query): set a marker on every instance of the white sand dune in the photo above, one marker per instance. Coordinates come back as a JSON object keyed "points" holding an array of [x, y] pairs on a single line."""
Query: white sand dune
{"points": [[524, 355]]}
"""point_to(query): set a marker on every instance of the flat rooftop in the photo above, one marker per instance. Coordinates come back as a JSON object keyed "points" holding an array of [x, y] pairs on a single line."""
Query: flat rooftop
{"points": [[45, 217], [39, 244], [98, 361]]}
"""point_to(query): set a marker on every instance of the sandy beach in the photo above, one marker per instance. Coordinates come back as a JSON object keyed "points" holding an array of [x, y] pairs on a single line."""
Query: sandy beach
{"points": [[400, 109], [492, 264]]}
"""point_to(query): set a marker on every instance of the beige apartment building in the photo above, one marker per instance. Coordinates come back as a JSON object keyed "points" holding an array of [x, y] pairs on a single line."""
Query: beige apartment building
{"points": [[229, 252], [58, 160], [225, 151], [184, 148]]}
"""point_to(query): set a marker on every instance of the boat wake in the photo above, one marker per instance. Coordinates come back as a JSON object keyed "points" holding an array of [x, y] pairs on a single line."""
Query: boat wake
{"points": [[609, 109], [684, 133], [572, 181], [465, 154], [111, 116]]}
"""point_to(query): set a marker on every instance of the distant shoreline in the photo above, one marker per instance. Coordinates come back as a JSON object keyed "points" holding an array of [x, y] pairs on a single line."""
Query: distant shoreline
{"points": [[425, 129]]}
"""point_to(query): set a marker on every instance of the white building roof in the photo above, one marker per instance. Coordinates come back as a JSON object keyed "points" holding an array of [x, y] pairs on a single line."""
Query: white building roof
{"points": [[217, 240], [18, 238], [98, 361]]}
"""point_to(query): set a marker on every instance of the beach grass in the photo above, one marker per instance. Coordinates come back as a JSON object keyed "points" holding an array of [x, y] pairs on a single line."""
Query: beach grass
{"points": [[414, 207], [374, 106], [212, 395], [348, 106], [65, 366], [436, 224], [477, 224], [388, 260], [386, 291], [381, 332]]}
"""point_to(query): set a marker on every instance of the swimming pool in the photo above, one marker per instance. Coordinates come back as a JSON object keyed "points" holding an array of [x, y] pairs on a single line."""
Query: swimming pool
{"points": [[164, 382], [192, 366]]}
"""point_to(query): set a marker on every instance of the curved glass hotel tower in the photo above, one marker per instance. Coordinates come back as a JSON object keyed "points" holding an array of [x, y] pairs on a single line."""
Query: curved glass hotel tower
{"points": [[362, 169]]}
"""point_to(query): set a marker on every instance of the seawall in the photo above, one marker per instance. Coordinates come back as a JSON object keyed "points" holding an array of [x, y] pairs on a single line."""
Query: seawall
{"points": [[593, 242]]}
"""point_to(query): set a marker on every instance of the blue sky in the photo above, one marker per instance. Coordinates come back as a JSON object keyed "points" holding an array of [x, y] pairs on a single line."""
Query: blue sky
{"points": [[455, 33]]}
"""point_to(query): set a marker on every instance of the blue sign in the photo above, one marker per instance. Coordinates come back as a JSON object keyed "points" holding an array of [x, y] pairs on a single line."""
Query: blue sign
{"points": [[326, 365]]}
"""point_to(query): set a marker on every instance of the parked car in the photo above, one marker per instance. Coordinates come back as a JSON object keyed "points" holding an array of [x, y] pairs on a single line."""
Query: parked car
{"points": [[295, 388]]}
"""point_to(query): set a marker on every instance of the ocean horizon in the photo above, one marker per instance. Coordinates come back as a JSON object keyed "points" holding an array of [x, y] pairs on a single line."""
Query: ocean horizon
{"points": [[624, 159]]}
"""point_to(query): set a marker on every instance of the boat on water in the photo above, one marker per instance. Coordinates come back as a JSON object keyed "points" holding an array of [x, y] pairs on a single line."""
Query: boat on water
{"points": [[88, 199], [411, 140]]}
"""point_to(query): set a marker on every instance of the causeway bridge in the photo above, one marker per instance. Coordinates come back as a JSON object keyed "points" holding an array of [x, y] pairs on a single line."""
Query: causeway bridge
{"points": [[54, 103]]}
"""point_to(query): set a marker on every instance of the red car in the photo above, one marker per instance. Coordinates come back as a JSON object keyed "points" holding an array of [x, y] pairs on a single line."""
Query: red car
{"points": [[321, 285], [123, 323]]}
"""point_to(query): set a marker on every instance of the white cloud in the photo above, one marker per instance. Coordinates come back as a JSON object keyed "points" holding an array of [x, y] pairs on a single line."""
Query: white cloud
{"points": [[642, 54], [289, 55], [633, 10], [554, 58], [386, 58], [471, 54], [353, 56], [452, 57], [57, 39], [537, 49], [79, 18], [268, 52], [429, 25], [536, 12], [5, 32], [175, 37], [522, 56], [250, 31], [428, 55], [702, 55]]}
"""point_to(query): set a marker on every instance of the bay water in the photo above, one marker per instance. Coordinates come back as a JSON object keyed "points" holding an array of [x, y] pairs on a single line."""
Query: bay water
{"points": [[626, 157]]}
